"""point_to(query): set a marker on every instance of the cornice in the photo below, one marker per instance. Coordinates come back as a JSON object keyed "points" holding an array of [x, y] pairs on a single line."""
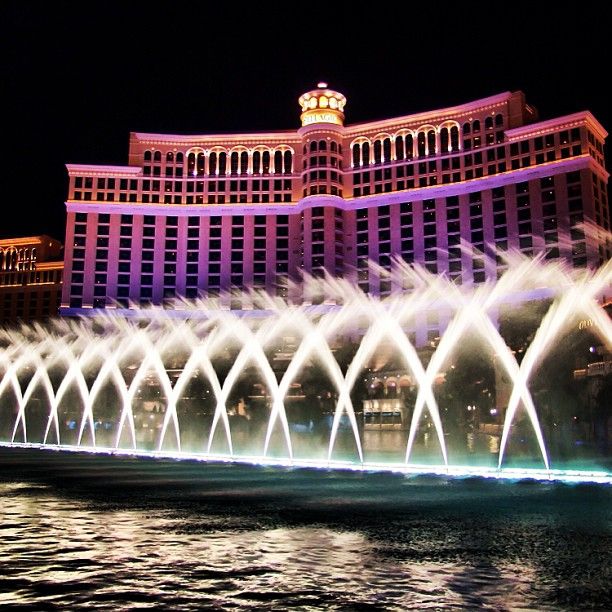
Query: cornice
{"points": [[27, 241], [558, 123], [103, 170], [49, 265], [204, 140], [407, 121]]}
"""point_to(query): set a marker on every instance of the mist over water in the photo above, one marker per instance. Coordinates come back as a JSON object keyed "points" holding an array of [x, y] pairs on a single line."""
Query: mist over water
{"points": [[98, 532], [349, 379]]}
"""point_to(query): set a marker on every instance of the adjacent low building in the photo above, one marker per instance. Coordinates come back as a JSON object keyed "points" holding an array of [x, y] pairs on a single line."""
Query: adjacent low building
{"points": [[218, 213], [31, 270]]}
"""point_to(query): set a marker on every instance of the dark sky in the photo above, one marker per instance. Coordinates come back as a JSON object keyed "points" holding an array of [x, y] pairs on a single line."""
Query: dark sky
{"points": [[77, 77]]}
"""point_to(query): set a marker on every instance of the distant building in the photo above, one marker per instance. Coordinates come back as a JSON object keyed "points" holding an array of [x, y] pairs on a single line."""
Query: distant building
{"points": [[212, 213], [31, 271]]}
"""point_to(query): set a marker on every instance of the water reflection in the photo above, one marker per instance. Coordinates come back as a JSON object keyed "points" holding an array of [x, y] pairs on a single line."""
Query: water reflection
{"points": [[75, 552]]}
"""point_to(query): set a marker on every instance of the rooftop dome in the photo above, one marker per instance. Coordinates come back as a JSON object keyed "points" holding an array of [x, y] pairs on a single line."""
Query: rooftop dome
{"points": [[322, 105]]}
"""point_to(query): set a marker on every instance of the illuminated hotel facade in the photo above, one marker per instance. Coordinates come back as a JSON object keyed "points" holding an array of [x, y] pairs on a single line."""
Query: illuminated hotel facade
{"points": [[31, 271], [211, 214]]}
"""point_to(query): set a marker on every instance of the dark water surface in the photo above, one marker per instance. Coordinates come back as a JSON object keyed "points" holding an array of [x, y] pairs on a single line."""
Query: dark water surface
{"points": [[116, 533]]}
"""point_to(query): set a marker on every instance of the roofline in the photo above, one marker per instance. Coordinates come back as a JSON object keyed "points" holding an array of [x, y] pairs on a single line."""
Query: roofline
{"points": [[153, 138], [52, 264], [468, 107], [146, 138], [103, 169], [27, 240], [554, 124]]}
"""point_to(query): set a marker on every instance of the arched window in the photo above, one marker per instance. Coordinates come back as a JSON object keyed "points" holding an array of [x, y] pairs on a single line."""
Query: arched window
{"points": [[278, 162], [409, 146], [366, 153], [244, 162], [356, 154], [265, 162], [489, 123], [454, 138], [212, 164], [256, 162], [431, 143], [169, 157], [222, 163], [313, 146], [200, 163], [179, 158], [467, 128], [476, 126], [157, 156], [421, 144], [333, 147], [191, 164], [305, 150], [147, 156], [387, 150], [399, 147], [444, 148], [499, 120], [234, 162], [288, 159], [377, 151], [322, 145]]}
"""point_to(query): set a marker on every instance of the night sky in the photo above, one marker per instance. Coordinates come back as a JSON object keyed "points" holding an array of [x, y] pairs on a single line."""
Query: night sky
{"points": [[77, 77]]}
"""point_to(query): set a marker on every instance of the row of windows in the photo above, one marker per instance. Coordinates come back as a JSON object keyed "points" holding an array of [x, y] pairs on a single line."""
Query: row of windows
{"points": [[320, 161], [572, 179], [190, 185], [323, 145], [425, 144], [17, 259], [388, 180], [31, 277], [426, 140], [173, 220], [211, 198], [28, 306], [361, 156], [280, 264], [215, 163]]}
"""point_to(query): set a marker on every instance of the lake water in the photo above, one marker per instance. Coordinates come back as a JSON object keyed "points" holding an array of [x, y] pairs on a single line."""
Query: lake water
{"points": [[117, 533]]}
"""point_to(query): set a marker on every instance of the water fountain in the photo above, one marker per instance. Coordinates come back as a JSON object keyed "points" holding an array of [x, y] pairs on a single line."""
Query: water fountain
{"points": [[167, 385]]}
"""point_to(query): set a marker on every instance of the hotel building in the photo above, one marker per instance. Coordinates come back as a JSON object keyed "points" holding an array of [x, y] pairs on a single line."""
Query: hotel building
{"points": [[208, 214], [30, 278]]}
